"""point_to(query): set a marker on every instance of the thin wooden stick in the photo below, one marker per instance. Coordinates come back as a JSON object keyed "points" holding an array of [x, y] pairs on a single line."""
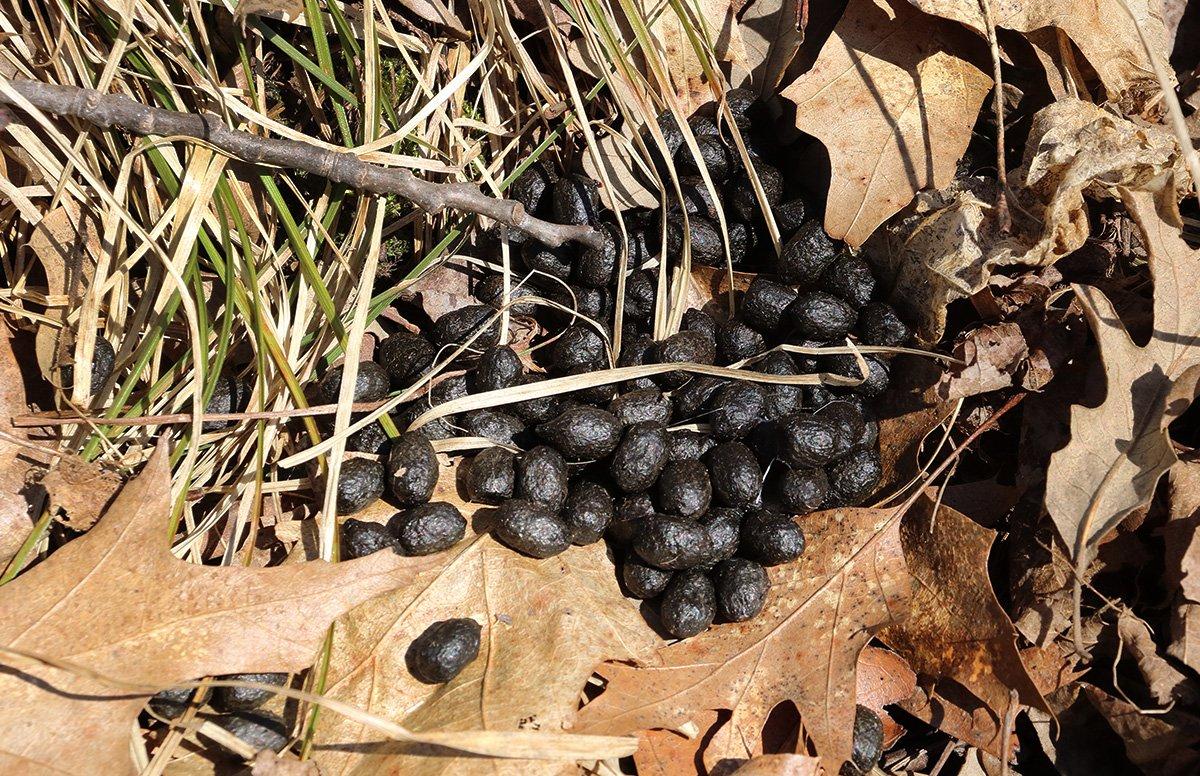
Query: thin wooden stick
{"points": [[122, 112], [1003, 219]]}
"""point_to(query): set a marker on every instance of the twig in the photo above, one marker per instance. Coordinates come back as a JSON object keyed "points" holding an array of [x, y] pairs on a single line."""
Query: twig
{"points": [[118, 110], [1010, 722], [1003, 219]]}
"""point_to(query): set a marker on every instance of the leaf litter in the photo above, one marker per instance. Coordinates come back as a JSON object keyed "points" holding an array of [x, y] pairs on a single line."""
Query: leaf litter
{"points": [[949, 620]]}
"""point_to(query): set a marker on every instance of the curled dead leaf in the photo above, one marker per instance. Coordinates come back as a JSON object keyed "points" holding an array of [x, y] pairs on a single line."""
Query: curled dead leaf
{"points": [[1182, 576], [948, 247], [17, 502], [884, 678], [80, 490], [993, 355]]}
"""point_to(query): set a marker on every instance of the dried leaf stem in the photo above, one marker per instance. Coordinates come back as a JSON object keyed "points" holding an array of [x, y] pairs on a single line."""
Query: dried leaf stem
{"points": [[1003, 219], [123, 112]]}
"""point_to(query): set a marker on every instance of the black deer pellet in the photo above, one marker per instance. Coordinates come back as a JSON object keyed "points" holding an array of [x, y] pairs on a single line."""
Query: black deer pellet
{"points": [[443, 650], [429, 528], [531, 528]]}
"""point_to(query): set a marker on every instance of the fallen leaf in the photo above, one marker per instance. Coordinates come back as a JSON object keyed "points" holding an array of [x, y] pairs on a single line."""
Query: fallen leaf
{"points": [[803, 647], [711, 284], [781, 765], [772, 32], [80, 490], [16, 501], [993, 354], [935, 254], [286, 9], [1182, 543], [1041, 586], [711, 20], [631, 185], [894, 106], [1102, 29], [667, 753], [268, 763], [957, 635], [546, 625], [1051, 667], [1120, 449], [63, 247], [901, 438], [1160, 744], [884, 678], [116, 602], [1166, 683], [442, 289], [950, 244], [437, 12]]}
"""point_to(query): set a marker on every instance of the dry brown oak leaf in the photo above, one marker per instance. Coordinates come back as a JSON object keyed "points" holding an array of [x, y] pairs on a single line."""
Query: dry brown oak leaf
{"points": [[820, 613], [957, 635], [78, 490], [1161, 744], [16, 518], [893, 102], [546, 625], [1120, 449], [781, 765], [1182, 544], [1102, 29], [672, 34], [117, 603], [667, 753], [884, 678]]}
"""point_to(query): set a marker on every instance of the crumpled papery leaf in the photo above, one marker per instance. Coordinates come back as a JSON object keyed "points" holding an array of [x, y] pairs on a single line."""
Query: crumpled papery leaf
{"points": [[1166, 683], [546, 625], [1102, 29], [949, 245], [993, 353], [884, 678], [1120, 449], [803, 647], [80, 490]]}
